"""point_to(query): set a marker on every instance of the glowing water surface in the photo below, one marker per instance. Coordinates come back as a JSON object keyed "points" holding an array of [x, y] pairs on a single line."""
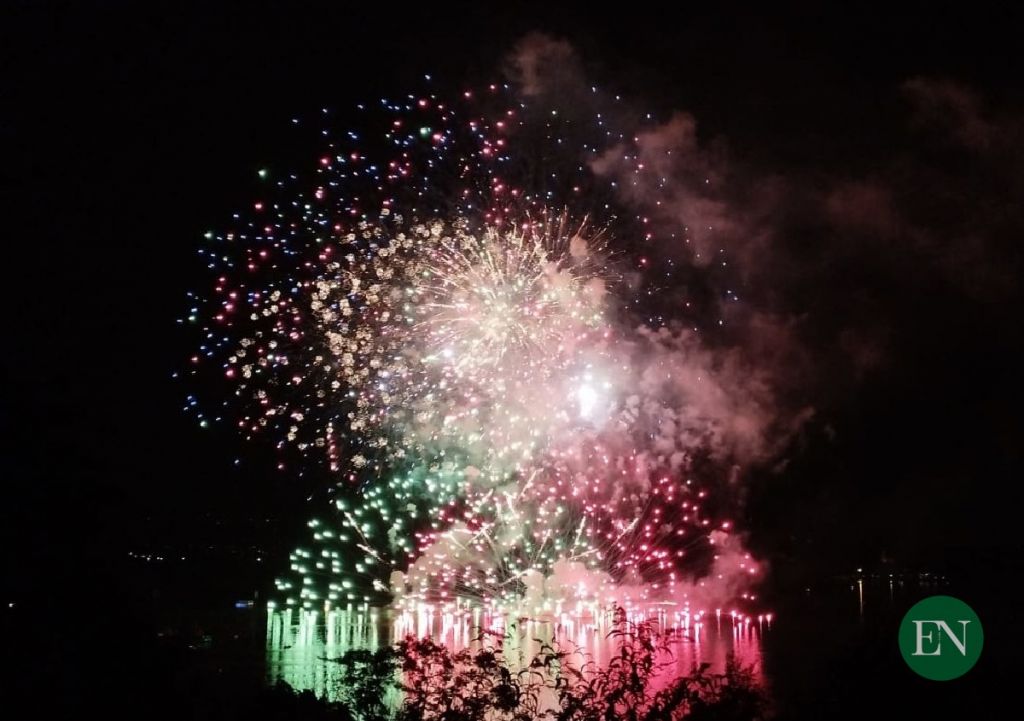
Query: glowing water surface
{"points": [[301, 645]]}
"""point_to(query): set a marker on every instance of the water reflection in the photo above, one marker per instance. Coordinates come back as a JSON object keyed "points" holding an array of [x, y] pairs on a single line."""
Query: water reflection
{"points": [[302, 644]]}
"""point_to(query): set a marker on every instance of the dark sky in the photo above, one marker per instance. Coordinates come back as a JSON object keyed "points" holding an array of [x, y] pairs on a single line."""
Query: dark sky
{"points": [[128, 130]]}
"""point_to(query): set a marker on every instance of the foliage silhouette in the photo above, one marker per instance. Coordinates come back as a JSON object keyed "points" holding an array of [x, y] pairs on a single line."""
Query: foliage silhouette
{"points": [[559, 683]]}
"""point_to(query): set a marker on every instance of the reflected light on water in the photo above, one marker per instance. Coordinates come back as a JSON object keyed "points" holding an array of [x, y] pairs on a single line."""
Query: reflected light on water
{"points": [[301, 645]]}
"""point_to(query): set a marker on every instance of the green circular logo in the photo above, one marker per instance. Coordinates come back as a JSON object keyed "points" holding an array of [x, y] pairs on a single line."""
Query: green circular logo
{"points": [[941, 638]]}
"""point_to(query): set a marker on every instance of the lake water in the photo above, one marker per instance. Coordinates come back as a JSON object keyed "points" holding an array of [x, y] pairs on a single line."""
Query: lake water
{"points": [[301, 645]]}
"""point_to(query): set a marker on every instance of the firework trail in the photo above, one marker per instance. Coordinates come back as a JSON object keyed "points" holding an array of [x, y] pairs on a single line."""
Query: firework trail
{"points": [[451, 315]]}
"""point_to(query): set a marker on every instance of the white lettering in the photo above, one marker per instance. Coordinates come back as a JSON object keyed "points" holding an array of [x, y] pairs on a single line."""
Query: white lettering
{"points": [[961, 645]]}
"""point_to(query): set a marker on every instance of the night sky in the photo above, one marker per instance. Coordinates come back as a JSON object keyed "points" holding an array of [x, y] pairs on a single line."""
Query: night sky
{"points": [[883, 151]]}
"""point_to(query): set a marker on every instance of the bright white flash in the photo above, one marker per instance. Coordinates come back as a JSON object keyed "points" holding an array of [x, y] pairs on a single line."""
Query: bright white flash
{"points": [[587, 397]]}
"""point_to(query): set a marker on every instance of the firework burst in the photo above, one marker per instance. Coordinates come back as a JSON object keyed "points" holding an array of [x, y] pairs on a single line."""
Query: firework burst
{"points": [[442, 322], [445, 338]]}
